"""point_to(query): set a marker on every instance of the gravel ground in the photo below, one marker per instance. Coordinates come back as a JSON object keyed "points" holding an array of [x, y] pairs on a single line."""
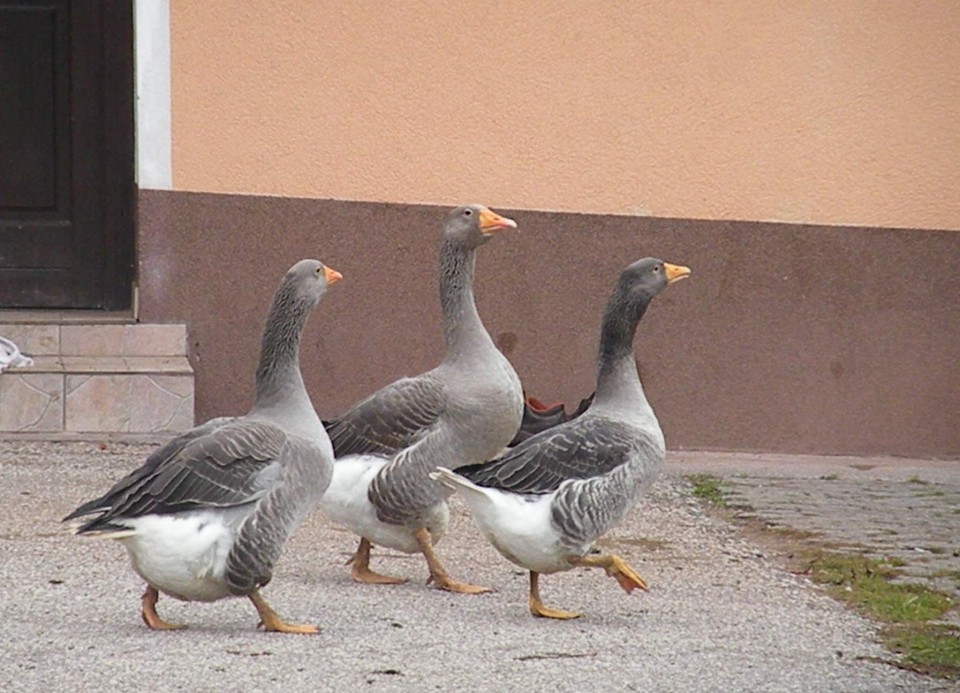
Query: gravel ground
{"points": [[719, 616]]}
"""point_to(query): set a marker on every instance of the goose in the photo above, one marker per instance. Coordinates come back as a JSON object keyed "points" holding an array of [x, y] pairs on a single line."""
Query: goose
{"points": [[463, 411], [544, 503], [207, 514]]}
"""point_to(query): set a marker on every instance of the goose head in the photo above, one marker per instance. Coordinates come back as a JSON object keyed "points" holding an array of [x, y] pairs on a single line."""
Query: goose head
{"points": [[308, 280], [470, 226], [642, 280]]}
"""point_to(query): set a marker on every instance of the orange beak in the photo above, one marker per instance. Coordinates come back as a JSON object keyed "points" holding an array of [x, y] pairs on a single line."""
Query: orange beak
{"points": [[331, 275], [491, 222], [675, 272]]}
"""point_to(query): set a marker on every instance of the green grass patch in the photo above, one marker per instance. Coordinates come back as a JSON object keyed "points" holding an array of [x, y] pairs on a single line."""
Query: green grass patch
{"points": [[866, 584], [927, 648], [907, 610], [709, 488]]}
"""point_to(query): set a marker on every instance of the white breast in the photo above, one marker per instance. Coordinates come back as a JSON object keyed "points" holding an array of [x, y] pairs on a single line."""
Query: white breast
{"points": [[183, 555]]}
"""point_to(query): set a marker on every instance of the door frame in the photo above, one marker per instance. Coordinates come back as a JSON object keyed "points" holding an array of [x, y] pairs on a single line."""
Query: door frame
{"points": [[119, 149]]}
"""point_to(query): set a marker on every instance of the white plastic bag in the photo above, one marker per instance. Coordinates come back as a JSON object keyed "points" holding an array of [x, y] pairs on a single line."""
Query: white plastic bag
{"points": [[10, 356]]}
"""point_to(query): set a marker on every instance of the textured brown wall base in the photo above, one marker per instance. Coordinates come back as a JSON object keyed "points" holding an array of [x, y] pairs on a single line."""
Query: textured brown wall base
{"points": [[786, 338]]}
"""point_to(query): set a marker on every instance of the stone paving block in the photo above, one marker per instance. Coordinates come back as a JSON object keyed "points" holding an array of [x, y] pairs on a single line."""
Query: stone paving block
{"points": [[92, 340], [128, 403], [31, 402], [33, 340], [154, 340]]}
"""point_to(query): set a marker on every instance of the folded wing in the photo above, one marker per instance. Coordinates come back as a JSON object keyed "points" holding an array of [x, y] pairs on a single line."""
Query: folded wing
{"points": [[223, 465], [390, 420], [584, 448]]}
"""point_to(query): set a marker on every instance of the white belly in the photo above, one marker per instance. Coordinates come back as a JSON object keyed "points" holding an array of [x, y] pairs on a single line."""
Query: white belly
{"points": [[183, 555], [519, 528], [346, 503]]}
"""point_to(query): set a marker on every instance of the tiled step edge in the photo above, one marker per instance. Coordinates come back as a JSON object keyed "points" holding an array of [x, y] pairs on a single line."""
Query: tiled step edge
{"points": [[166, 365], [97, 395], [139, 339]]}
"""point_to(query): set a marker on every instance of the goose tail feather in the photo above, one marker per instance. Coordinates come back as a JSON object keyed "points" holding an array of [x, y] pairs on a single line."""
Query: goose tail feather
{"points": [[454, 481]]}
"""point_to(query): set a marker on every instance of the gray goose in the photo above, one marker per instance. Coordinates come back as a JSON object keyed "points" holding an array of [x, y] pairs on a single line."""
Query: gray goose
{"points": [[545, 502], [207, 514], [462, 412]]}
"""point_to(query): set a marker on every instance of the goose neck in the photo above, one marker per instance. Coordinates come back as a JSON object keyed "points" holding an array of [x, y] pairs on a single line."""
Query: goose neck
{"points": [[619, 381], [617, 375], [462, 328], [278, 372]]}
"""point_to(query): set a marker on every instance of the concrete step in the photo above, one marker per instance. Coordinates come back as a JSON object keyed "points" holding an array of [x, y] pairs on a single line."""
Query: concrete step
{"points": [[97, 379]]}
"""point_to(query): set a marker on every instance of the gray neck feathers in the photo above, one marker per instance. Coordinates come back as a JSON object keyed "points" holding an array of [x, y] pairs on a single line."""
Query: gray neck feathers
{"points": [[617, 376], [462, 328], [278, 374]]}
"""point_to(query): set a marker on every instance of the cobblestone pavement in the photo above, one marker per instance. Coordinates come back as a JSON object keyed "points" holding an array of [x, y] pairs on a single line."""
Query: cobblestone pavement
{"points": [[884, 507]]}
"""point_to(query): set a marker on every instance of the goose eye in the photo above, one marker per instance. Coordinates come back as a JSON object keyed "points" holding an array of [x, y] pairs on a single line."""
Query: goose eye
{"points": [[319, 271], [467, 212]]}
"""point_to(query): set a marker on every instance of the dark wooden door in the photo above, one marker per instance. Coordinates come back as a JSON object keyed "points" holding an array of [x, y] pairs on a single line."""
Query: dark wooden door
{"points": [[66, 154]]}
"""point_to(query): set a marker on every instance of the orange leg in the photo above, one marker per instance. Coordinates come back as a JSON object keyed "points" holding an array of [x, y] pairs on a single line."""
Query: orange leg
{"points": [[536, 606], [272, 623], [438, 575], [148, 611], [616, 568], [361, 568]]}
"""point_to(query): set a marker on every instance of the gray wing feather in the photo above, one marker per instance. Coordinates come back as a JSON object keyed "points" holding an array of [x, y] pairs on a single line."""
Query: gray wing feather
{"points": [[390, 420], [156, 459], [403, 489], [581, 449], [262, 535], [226, 465]]}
